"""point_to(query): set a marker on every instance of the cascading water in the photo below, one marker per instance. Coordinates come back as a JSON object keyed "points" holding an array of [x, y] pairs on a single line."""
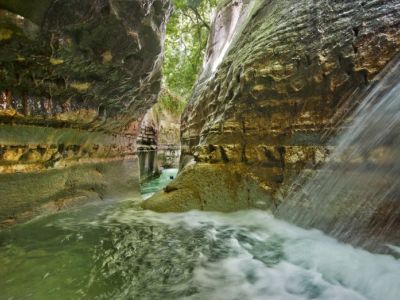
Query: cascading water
{"points": [[355, 195], [113, 250]]}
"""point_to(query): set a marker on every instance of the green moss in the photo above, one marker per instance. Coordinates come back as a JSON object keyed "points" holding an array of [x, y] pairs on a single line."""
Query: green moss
{"points": [[169, 102], [5, 34], [34, 10]]}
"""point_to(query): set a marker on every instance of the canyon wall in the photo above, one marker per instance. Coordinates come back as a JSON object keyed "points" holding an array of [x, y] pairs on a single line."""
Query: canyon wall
{"points": [[280, 78], [160, 130], [147, 148], [76, 78], [166, 120]]}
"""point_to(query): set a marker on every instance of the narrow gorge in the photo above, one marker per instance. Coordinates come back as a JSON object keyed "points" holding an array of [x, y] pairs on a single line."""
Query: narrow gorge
{"points": [[200, 149], [269, 110]]}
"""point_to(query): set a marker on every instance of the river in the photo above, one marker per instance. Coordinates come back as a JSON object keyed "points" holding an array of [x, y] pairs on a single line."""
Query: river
{"points": [[114, 250]]}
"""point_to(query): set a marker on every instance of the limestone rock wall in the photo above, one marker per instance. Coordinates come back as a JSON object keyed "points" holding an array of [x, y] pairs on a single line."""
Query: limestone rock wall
{"points": [[81, 62], [164, 124], [169, 144], [147, 148], [76, 78], [290, 76], [291, 70], [158, 142]]}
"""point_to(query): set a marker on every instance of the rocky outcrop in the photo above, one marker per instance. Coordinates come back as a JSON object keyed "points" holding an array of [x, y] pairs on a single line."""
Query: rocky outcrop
{"points": [[162, 122], [290, 76], [210, 187], [147, 148], [167, 124], [76, 78], [169, 147]]}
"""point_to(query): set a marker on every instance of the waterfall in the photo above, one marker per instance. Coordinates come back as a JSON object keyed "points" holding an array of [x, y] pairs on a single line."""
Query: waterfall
{"points": [[355, 195]]}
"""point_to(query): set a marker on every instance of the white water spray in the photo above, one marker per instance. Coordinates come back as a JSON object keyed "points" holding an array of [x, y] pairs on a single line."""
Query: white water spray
{"points": [[355, 195]]}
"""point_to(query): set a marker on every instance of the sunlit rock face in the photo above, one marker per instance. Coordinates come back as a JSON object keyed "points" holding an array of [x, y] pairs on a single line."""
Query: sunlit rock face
{"points": [[76, 78], [288, 81]]}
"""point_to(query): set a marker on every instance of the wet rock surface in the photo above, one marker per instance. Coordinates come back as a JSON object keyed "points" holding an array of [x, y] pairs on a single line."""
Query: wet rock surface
{"points": [[158, 141], [147, 148], [98, 57], [76, 78], [287, 83], [210, 188]]}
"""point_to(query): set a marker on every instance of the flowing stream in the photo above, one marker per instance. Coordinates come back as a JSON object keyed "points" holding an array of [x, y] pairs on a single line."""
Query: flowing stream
{"points": [[113, 250]]}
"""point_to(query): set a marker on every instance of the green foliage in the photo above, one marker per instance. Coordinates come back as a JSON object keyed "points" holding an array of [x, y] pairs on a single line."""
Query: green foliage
{"points": [[168, 103], [187, 34], [171, 102]]}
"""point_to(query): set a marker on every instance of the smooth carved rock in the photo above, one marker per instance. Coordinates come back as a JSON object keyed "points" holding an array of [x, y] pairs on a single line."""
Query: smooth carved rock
{"points": [[76, 78], [103, 56], [285, 86], [207, 187]]}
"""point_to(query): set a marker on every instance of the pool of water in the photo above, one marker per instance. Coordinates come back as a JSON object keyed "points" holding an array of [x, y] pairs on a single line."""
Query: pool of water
{"points": [[148, 188], [114, 250]]}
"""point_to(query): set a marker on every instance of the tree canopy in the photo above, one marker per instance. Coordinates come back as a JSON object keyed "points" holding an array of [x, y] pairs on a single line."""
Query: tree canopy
{"points": [[187, 34]]}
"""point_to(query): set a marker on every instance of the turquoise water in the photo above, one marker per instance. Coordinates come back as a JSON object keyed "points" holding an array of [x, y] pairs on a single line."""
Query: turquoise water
{"points": [[113, 250], [148, 188]]}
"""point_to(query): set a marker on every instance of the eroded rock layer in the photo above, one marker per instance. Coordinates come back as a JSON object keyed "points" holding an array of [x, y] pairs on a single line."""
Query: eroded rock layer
{"points": [[289, 79], [76, 78], [147, 148]]}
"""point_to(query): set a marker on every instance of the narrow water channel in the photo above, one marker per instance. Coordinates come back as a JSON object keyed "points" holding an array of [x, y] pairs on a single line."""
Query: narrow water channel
{"points": [[148, 188], [113, 250]]}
